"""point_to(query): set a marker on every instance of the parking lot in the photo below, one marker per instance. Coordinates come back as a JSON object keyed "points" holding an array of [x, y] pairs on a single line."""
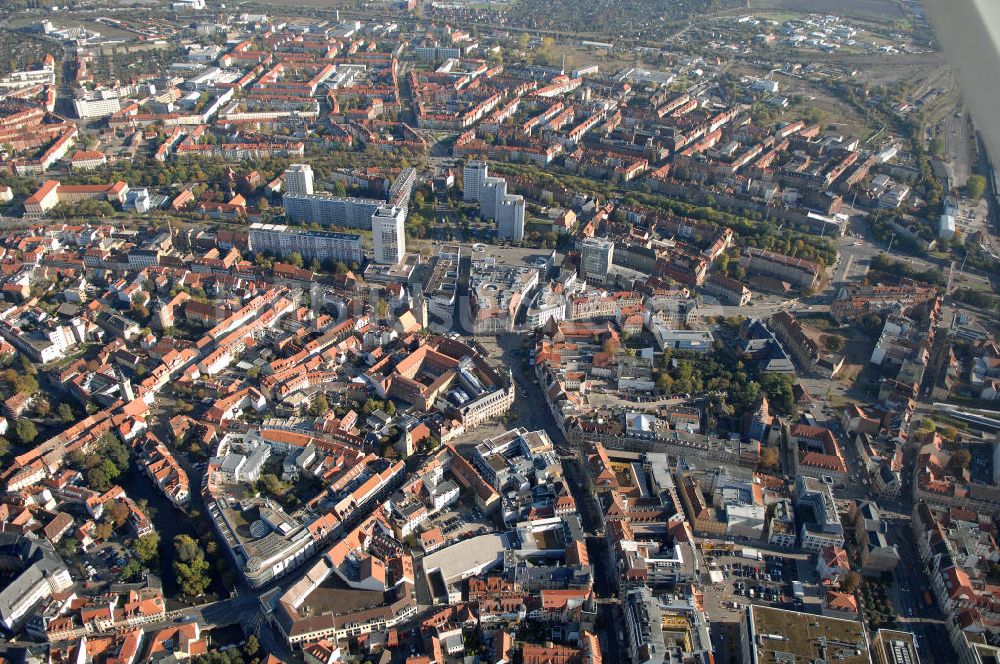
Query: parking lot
{"points": [[99, 565], [766, 582], [458, 523]]}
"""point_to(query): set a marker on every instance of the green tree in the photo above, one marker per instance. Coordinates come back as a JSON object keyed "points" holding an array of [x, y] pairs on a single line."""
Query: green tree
{"points": [[779, 390], [76, 460], [271, 485], [68, 546], [251, 647], [103, 531], [975, 187], [146, 548], [186, 548], [25, 431], [871, 324], [231, 656], [319, 405], [117, 513], [851, 582], [110, 470], [295, 258], [833, 343], [770, 457], [190, 566], [960, 459], [131, 571], [98, 480], [65, 413], [115, 452]]}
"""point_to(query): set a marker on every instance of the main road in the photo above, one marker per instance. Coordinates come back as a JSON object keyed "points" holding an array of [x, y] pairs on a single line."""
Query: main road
{"points": [[508, 350]]}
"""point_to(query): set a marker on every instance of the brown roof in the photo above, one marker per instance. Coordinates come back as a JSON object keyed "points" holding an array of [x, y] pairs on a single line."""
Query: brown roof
{"points": [[86, 155]]}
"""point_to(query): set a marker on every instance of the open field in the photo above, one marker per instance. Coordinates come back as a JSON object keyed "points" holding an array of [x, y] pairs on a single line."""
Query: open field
{"points": [[886, 10], [67, 21]]}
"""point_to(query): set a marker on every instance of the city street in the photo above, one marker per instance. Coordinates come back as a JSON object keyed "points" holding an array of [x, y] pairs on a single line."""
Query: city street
{"points": [[908, 595]]}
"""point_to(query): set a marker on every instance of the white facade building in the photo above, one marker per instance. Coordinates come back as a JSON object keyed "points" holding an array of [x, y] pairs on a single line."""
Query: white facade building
{"points": [[510, 221], [473, 175], [596, 257], [491, 195], [299, 179], [388, 236], [282, 241]]}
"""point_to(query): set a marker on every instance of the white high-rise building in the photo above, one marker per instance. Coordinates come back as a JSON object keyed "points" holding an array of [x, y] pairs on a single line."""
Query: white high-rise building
{"points": [[596, 257], [329, 210], [97, 104], [281, 240], [299, 179], [388, 235], [473, 175], [510, 220], [491, 195]]}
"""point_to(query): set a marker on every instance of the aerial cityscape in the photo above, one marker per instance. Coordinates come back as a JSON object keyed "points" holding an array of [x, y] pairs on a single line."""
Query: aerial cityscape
{"points": [[496, 332]]}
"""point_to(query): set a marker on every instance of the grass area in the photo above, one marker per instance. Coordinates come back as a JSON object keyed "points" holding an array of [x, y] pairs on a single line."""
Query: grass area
{"points": [[848, 375], [537, 225], [888, 10], [837, 401]]}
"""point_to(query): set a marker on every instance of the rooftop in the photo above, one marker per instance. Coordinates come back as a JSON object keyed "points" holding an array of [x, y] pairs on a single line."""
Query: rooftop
{"points": [[455, 560], [783, 637]]}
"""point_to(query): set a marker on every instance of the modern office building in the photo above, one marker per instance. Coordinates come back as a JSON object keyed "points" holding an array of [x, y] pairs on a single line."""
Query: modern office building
{"points": [[895, 647], [825, 527], [299, 179], [596, 256], [388, 235], [473, 175]]}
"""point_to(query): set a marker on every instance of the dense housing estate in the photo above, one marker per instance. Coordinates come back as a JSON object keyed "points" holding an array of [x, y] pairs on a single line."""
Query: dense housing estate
{"points": [[445, 334]]}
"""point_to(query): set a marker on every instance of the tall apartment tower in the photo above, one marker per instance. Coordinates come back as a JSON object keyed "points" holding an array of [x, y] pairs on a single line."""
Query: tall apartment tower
{"points": [[473, 175], [510, 219], [491, 195], [388, 235], [596, 257], [299, 179]]}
